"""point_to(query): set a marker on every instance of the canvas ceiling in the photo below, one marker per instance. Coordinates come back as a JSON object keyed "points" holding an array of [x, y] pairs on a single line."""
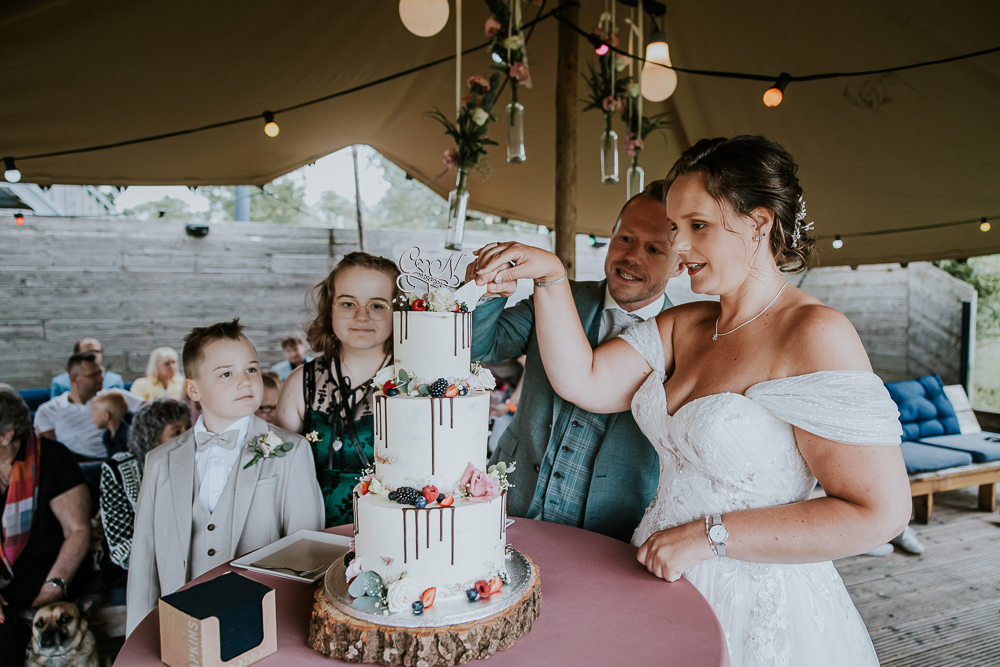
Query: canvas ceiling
{"points": [[915, 148]]}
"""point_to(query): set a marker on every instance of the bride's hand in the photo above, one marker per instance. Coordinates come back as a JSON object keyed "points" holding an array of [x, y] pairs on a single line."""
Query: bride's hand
{"points": [[670, 553], [498, 266]]}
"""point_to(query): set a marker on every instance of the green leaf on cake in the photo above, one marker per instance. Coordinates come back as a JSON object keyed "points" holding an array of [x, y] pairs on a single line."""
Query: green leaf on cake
{"points": [[424, 390], [404, 377]]}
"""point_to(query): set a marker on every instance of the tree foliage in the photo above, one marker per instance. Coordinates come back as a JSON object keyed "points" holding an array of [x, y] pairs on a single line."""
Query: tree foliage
{"points": [[983, 273]]}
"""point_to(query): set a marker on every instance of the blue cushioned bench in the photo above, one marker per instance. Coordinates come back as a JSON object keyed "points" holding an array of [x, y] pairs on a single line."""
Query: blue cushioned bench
{"points": [[938, 456]]}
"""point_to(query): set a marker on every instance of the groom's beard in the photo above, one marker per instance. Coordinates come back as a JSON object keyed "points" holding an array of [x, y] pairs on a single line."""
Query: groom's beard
{"points": [[625, 291]]}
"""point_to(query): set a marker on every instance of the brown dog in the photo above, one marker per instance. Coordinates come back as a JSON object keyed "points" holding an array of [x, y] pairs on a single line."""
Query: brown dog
{"points": [[60, 636]]}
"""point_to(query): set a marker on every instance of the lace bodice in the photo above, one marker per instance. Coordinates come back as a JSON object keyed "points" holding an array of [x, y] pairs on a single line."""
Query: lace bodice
{"points": [[729, 452]]}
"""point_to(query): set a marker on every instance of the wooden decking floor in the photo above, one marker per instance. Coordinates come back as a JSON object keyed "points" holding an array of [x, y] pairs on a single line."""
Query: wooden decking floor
{"points": [[943, 606]]}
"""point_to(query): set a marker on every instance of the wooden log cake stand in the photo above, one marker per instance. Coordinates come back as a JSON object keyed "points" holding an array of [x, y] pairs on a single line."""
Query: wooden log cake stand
{"points": [[338, 635]]}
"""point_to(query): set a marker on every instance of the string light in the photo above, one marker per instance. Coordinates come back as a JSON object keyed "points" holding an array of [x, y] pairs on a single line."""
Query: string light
{"points": [[984, 225], [838, 243], [19, 219], [658, 83], [10, 171], [424, 17], [776, 93], [271, 128]]}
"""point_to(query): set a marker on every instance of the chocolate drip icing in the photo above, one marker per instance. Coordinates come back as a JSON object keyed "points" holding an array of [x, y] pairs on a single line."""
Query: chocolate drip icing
{"points": [[503, 513], [404, 328], [456, 334], [356, 523], [427, 526], [432, 435]]}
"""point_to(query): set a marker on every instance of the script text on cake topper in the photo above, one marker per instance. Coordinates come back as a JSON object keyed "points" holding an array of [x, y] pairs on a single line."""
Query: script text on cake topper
{"points": [[431, 272]]}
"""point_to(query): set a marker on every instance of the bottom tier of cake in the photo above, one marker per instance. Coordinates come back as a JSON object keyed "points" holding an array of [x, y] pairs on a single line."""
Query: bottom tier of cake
{"points": [[447, 548]]}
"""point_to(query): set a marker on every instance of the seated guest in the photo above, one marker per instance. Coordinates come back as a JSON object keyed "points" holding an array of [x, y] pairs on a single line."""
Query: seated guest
{"points": [[206, 497], [66, 417], [163, 378], [61, 384], [272, 388], [108, 411], [45, 529], [155, 424], [294, 346]]}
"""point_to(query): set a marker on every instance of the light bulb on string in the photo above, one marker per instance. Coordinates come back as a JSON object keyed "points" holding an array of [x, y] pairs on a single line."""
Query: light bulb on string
{"points": [[10, 171], [19, 219], [271, 128], [984, 225], [776, 93], [424, 17], [837, 243], [658, 82]]}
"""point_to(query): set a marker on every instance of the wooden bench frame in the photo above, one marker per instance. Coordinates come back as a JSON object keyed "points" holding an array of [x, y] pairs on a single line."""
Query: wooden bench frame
{"points": [[923, 486]]}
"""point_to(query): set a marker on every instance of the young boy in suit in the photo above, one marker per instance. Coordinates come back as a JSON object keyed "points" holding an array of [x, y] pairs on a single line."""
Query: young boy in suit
{"points": [[205, 497]]}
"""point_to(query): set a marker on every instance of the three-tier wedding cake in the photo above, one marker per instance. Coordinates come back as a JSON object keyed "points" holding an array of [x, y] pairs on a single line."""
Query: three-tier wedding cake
{"points": [[430, 518]]}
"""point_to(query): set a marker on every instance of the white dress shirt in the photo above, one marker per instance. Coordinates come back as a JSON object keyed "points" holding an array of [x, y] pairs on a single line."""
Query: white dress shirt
{"points": [[214, 465], [644, 313]]}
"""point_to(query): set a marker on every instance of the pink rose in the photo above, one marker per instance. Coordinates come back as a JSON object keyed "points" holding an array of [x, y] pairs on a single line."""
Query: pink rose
{"points": [[611, 103], [519, 72], [632, 145], [492, 27], [614, 39], [353, 569], [490, 489], [451, 158], [478, 84]]}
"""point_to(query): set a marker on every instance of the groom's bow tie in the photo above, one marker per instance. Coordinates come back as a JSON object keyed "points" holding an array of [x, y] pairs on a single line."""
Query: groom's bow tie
{"points": [[620, 323], [205, 439]]}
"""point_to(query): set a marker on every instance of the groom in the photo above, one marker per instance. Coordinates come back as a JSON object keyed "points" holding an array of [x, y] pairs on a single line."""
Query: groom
{"points": [[575, 467]]}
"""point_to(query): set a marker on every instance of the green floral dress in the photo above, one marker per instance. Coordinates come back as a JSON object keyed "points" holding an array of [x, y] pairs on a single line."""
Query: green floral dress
{"points": [[337, 444]]}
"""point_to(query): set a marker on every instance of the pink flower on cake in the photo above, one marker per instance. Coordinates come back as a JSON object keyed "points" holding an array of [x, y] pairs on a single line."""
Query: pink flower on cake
{"points": [[492, 27], [480, 486], [353, 569]]}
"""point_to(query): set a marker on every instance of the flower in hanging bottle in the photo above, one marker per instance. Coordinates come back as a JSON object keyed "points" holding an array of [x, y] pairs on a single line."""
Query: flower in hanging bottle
{"points": [[519, 72]]}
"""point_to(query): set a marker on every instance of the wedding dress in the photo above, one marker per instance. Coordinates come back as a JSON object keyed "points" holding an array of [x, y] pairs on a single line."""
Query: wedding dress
{"points": [[729, 452]]}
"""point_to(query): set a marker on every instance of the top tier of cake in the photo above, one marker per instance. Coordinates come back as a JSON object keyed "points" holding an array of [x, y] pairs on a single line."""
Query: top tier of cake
{"points": [[433, 345]]}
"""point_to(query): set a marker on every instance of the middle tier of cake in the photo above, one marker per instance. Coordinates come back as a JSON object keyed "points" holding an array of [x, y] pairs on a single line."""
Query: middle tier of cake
{"points": [[421, 441]]}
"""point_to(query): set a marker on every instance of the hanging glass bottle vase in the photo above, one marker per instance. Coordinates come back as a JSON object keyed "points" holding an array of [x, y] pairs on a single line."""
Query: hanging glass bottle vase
{"points": [[609, 155], [635, 178], [515, 133], [458, 202]]}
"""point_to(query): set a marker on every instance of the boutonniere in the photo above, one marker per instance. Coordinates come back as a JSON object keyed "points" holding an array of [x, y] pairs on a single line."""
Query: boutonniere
{"points": [[267, 446]]}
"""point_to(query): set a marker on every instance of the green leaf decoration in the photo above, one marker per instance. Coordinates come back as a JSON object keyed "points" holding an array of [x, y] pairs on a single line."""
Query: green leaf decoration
{"points": [[404, 377], [424, 390]]}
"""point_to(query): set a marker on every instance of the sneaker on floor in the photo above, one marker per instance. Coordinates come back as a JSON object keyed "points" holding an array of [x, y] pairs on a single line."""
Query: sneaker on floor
{"points": [[883, 550], [907, 541]]}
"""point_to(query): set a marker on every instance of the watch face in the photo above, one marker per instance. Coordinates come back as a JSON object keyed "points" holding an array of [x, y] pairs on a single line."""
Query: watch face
{"points": [[718, 533]]}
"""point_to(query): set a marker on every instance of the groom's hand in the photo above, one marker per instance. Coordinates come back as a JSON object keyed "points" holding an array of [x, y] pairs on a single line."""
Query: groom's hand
{"points": [[670, 553], [500, 265], [473, 267]]}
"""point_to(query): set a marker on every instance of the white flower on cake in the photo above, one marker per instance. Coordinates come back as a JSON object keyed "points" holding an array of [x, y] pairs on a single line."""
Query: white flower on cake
{"points": [[375, 486], [481, 378], [384, 375], [441, 299], [402, 593], [353, 569]]}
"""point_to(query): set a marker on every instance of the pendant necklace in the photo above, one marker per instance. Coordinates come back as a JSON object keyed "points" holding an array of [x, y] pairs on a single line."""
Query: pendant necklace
{"points": [[717, 334]]}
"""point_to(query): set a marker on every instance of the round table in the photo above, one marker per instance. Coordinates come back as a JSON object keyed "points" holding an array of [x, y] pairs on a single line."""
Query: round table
{"points": [[599, 606]]}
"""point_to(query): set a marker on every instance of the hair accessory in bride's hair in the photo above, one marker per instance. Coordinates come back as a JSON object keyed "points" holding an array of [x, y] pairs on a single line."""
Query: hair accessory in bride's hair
{"points": [[800, 229]]}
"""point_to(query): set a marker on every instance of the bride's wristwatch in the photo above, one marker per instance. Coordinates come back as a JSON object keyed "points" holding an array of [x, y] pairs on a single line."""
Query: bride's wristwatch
{"points": [[717, 534]]}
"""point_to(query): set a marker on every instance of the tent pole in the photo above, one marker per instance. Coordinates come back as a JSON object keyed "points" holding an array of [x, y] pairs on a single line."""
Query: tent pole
{"points": [[357, 198], [242, 209], [568, 65]]}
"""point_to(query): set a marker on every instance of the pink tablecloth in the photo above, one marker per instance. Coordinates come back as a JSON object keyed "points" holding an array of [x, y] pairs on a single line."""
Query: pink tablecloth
{"points": [[599, 606]]}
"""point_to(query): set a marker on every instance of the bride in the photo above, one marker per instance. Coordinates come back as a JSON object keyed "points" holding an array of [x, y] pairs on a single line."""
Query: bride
{"points": [[748, 402]]}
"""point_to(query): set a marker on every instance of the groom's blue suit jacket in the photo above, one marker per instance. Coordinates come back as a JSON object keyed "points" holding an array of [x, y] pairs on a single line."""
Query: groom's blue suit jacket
{"points": [[626, 469]]}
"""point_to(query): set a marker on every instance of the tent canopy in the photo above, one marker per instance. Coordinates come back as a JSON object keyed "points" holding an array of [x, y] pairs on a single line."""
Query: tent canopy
{"points": [[908, 149]]}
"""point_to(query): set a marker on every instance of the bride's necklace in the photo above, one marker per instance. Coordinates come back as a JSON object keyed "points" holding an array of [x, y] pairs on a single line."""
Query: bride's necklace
{"points": [[717, 334]]}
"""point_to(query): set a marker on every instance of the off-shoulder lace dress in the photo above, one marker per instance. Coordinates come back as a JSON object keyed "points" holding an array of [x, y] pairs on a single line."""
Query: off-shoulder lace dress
{"points": [[728, 452]]}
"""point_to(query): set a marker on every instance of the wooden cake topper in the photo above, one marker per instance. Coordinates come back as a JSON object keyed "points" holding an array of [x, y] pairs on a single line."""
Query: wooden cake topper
{"points": [[431, 272]]}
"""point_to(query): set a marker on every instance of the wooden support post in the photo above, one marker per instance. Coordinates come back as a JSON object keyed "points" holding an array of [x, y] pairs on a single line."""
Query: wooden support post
{"points": [[357, 198], [988, 497], [568, 66], [923, 506]]}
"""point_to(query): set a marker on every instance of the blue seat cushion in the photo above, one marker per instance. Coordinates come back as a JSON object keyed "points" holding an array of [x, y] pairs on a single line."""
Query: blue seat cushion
{"points": [[34, 397], [924, 409], [924, 458], [982, 446]]}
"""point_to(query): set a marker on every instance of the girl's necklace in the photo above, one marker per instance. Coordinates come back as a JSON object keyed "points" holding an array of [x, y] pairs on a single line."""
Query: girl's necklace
{"points": [[717, 334]]}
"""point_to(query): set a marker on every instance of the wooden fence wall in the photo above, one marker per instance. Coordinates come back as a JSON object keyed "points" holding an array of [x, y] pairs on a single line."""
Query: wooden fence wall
{"points": [[139, 285]]}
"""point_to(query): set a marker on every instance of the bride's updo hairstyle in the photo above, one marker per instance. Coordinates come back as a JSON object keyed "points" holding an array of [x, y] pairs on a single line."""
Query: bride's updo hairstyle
{"points": [[748, 172]]}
